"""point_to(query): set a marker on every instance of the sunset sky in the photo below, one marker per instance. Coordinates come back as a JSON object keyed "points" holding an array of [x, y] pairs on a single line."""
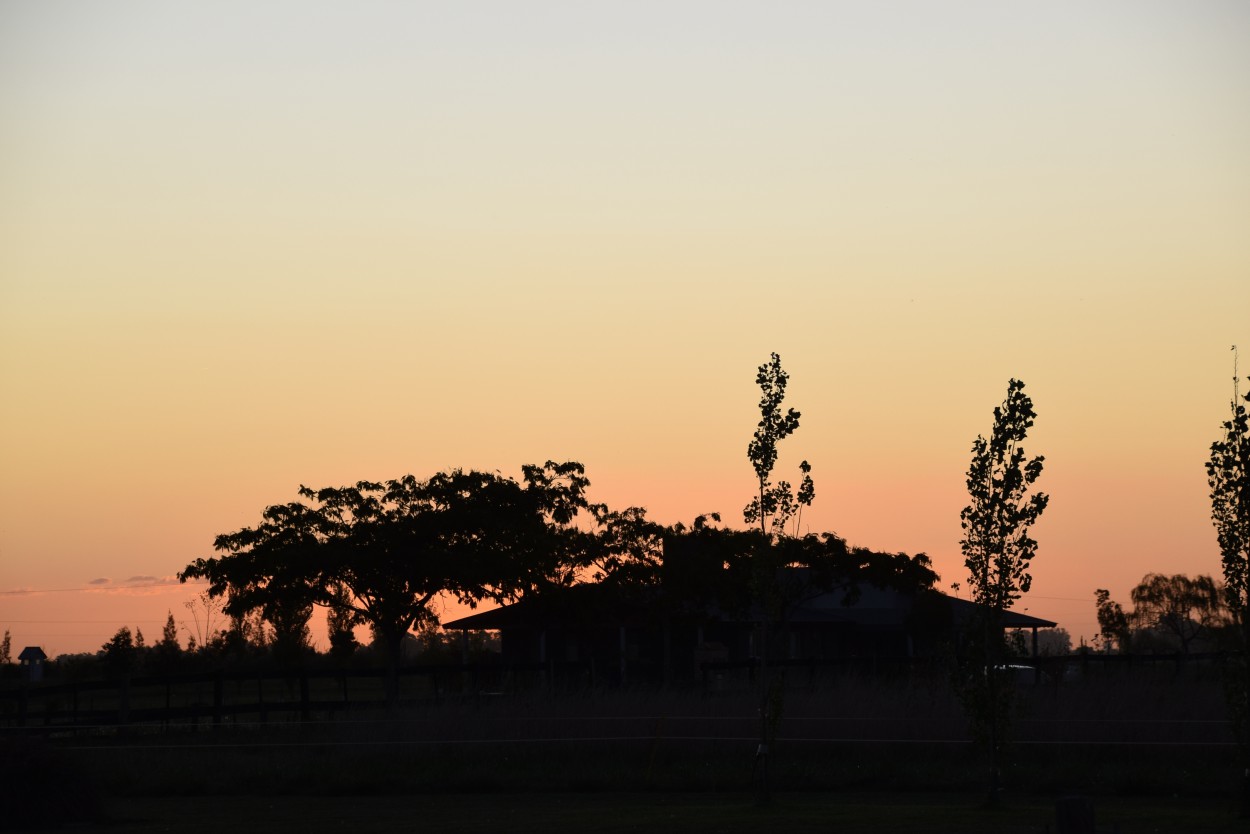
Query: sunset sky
{"points": [[248, 246]]}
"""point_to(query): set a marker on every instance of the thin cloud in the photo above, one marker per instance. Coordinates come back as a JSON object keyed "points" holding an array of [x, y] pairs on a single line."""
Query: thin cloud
{"points": [[142, 585], [137, 585]]}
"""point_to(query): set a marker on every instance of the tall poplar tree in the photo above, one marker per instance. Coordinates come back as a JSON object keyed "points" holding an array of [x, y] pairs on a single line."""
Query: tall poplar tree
{"points": [[998, 549], [1228, 475], [775, 504], [772, 508]]}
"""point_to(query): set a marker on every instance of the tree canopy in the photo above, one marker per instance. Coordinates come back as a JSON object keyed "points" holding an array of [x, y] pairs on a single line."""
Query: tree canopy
{"points": [[1228, 475], [997, 546], [1181, 606], [1113, 624], [383, 551], [997, 549], [775, 504]]}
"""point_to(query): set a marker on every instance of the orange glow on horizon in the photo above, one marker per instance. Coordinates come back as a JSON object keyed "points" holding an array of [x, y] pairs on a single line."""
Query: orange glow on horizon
{"points": [[400, 239]]}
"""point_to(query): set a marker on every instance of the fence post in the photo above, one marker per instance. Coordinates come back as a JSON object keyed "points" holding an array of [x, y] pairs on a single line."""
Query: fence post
{"points": [[624, 662], [123, 706], [668, 651], [305, 713], [1037, 669], [219, 697]]}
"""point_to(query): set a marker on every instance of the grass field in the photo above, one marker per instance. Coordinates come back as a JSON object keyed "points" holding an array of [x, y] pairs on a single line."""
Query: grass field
{"points": [[622, 812], [861, 756]]}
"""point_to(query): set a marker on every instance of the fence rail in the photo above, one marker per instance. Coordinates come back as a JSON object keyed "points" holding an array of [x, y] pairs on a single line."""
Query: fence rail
{"points": [[190, 701], [223, 696]]}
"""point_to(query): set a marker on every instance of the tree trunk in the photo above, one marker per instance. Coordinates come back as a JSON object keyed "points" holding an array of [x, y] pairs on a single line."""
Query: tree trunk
{"points": [[1245, 707], [764, 789], [991, 685], [394, 653]]}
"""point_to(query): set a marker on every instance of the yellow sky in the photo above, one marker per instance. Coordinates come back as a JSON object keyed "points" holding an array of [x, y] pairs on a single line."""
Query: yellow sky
{"points": [[249, 246]]}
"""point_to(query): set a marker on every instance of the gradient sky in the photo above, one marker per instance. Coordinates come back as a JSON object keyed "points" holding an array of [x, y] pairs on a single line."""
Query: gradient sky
{"points": [[248, 246]]}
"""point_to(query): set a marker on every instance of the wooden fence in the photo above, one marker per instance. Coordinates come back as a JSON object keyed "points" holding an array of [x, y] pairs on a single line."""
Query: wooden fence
{"points": [[220, 697], [212, 699]]}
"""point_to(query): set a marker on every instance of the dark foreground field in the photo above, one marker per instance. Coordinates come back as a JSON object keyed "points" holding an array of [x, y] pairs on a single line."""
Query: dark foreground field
{"points": [[621, 812], [1152, 753]]}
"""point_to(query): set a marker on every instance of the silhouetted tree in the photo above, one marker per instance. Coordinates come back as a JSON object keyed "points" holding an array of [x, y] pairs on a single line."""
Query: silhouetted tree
{"points": [[169, 634], [341, 622], [241, 641], [997, 550], [1168, 611], [713, 568], [289, 637], [6, 649], [1228, 475], [775, 504], [167, 652], [396, 546], [831, 563], [1113, 626], [708, 568], [206, 614], [772, 508], [119, 652], [628, 549], [1187, 608], [1055, 642], [434, 646], [1051, 642]]}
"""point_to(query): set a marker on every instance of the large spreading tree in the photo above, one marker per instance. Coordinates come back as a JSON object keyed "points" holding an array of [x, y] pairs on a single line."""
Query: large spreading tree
{"points": [[381, 553], [998, 550]]}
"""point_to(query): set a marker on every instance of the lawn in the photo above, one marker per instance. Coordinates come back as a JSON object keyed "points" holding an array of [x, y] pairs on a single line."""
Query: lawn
{"points": [[621, 812], [860, 756]]}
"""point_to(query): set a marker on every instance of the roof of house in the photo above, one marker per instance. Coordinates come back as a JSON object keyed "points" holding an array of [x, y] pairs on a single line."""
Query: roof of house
{"points": [[596, 605], [32, 653], [873, 606], [1011, 619], [587, 604]]}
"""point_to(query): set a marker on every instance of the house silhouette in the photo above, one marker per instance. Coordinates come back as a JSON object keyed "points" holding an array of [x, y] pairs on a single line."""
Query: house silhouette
{"points": [[636, 634]]}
